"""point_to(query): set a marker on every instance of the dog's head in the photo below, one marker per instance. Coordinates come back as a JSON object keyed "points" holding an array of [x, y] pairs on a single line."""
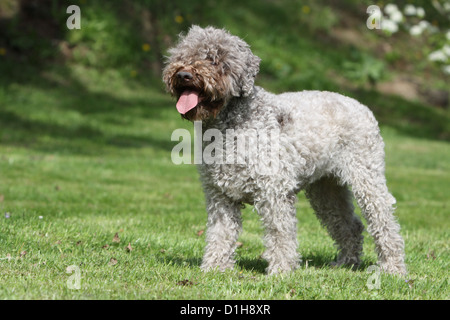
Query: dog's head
{"points": [[206, 69]]}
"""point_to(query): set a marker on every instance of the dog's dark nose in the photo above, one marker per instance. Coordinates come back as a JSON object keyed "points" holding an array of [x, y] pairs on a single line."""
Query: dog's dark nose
{"points": [[183, 75]]}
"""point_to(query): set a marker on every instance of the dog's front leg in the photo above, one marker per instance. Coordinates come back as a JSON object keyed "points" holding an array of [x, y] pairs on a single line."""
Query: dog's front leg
{"points": [[223, 228], [278, 215]]}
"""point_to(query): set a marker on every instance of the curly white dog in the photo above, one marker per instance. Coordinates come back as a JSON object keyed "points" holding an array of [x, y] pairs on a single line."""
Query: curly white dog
{"points": [[327, 142]]}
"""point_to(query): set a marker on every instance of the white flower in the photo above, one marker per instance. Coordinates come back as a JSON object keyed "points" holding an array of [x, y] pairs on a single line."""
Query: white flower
{"points": [[437, 55], [424, 24], [446, 69], [432, 29], [447, 6], [410, 10], [447, 35], [390, 8], [415, 30], [389, 26], [446, 50], [420, 12], [396, 16]]}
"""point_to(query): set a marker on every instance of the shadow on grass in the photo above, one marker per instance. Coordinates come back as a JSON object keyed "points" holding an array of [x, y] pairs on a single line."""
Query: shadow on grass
{"points": [[317, 261], [259, 265], [410, 118], [255, 265], [97, 111], [180, 261], [96, 114]]}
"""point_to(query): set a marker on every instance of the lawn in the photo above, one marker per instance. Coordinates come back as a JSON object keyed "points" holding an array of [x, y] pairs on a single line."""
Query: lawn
{"points": [[87, 183], [91, 205]]}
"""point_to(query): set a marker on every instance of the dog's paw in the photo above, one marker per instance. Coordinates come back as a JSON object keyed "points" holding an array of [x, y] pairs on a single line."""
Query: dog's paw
{"points": [[206, 267], [280, 268], [395, 269], [353, 262]]}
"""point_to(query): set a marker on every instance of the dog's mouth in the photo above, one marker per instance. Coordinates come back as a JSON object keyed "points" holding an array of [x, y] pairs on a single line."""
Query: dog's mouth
{"points": [[188, 99], [194, 103]]}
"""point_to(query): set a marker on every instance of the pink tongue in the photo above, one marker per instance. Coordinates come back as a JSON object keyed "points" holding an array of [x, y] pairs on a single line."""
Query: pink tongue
{"points": [[188, 100]]}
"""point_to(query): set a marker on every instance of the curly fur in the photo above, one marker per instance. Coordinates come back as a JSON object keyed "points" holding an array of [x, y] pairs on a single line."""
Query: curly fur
{"points": [[328, 142]]}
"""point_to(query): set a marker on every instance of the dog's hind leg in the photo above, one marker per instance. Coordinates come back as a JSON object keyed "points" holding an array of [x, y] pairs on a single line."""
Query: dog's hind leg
{"points": [[332, 204], [377, 206]]}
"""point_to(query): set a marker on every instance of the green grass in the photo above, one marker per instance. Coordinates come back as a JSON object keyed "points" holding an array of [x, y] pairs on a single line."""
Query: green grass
{"points": [[86, 154]]}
